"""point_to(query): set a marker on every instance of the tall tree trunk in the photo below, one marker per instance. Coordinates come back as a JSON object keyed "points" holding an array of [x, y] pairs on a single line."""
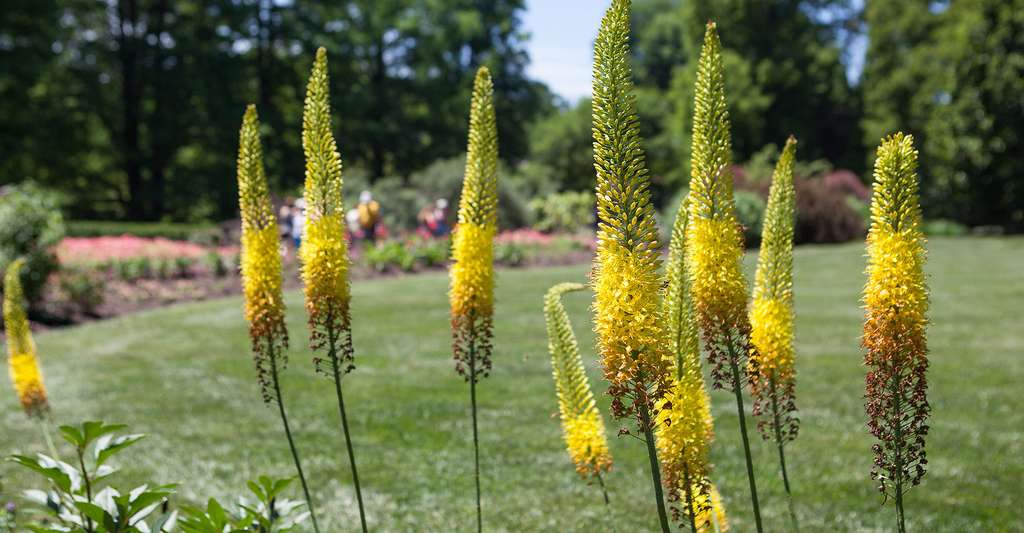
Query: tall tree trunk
{"points": [[379, 101], [131, 99]]}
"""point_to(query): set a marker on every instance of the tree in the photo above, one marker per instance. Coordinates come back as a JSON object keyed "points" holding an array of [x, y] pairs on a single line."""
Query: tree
{"points": [[974, 143]]}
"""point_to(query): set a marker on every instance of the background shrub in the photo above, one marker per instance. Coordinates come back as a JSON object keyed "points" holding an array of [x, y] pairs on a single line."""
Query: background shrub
{"points": [[82, 289], [944, 228], [569, 211], [30, 226], [200, 233], [750, 212], [825, 214]]}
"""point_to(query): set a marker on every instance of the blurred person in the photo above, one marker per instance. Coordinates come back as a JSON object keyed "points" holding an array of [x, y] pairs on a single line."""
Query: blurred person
{"points": [[298, 222], [369, 215], [352, 221], [284, 222], [440, 218]]}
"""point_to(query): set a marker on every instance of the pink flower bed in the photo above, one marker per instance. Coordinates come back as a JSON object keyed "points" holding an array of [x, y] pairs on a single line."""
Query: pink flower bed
{"points": [[99, 249], [524, 236]]}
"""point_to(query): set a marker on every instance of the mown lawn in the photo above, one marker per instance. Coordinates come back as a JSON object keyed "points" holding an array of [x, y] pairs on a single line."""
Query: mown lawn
{"points": [[184, 376]]}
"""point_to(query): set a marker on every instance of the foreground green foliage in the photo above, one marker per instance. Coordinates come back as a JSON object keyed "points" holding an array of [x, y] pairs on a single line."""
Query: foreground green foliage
{"points": [[182, 375]]}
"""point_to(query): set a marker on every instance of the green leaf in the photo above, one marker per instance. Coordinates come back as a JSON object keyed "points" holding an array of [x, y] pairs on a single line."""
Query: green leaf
{"points": [[108, 446], [54, 474], [96, 429], [93, 511], [73, 435]]}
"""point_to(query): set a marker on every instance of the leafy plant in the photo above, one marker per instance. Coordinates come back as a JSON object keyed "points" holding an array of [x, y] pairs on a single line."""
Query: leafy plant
{"points": [[133, 268], [431, 252], [267, 513], [569, 211], [183, 266], [750, 213], [7, 512], [79, 498], [510, 253], [83, 288], [214, 264], [30, 226], [386, 255]]}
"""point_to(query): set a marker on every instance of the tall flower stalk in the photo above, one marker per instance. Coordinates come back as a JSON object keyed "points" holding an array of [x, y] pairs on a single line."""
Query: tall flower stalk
{"points": [[21, 349], [715, 241], [324, 251], [261, 279], [771, 363], [632, 340], [582, 425], [896, 303], [685, 426], [472, 272]]}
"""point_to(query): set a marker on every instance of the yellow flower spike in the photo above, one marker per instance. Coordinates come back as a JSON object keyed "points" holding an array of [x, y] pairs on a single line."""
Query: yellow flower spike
{"points": [[771, 362], [324, 251], [21, 350], [896, 307], [715, 241], [685, 426], [581, 420], [626, 281], [261, 257], [628, 316], [714, 233], [472, 272]]}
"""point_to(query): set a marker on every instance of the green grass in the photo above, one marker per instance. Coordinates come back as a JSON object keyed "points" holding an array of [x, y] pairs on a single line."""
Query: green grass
{"points": [[183, 375]]}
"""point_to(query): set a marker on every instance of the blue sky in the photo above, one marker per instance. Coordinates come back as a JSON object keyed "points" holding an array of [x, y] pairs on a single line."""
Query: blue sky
{"points": [[562, 33]]}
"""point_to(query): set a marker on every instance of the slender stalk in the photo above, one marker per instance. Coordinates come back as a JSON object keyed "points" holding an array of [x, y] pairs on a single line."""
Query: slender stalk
{"points": [[88, 486], [898, 447], [45, 424], [604, 489], [689, 498], [288, 434], [476, 437], [336, 367], [652, 454], [607, 504], [780, 444], [738, 391]]}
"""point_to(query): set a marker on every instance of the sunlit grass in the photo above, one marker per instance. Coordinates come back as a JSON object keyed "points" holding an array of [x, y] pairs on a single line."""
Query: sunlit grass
{"points": [[183, 375]]}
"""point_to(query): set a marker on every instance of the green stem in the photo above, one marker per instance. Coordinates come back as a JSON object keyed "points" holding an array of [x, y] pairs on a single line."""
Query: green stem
{"points": [[689, 498], [336, 366], [45, 423], [607, 503], [476, 437], [288, 434], [652, 455], [898, 448], [777, 423], [604, 489], [88, 486], [738, 391]]}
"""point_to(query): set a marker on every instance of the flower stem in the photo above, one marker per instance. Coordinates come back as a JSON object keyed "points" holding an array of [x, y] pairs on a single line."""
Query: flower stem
{"points": [[738, 391], [288, 434], [652, 454], [88, 486], [45, 423], [604, 489], [476, 437], [782, 454], [690, 511], [336, 367]]}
